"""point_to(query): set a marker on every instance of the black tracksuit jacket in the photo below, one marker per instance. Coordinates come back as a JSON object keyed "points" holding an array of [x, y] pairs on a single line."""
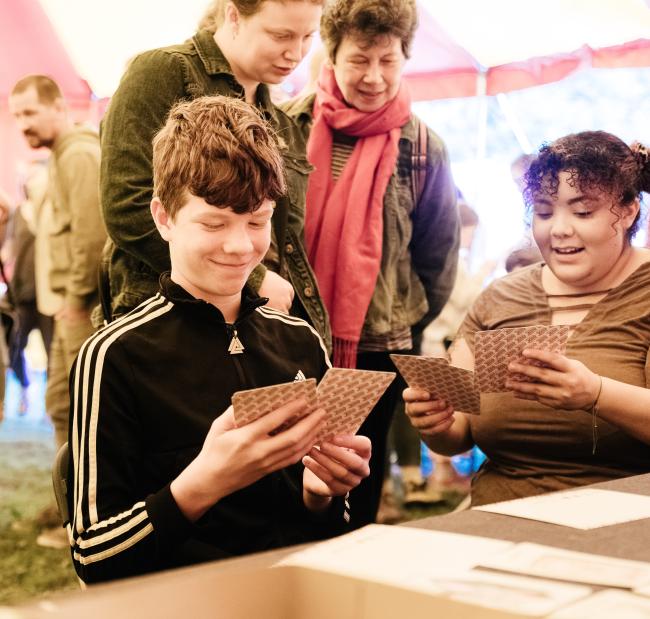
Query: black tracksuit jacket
{"points": [[144, 392]]}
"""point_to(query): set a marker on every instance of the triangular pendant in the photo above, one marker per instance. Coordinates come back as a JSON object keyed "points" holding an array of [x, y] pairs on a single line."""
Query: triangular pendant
{"points": [[236, 347]]}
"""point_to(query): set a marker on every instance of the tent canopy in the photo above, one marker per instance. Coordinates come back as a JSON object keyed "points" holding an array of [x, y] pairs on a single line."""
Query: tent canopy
{"points": [[462, 46], [474, 47], [470, 47], [29, 44]]}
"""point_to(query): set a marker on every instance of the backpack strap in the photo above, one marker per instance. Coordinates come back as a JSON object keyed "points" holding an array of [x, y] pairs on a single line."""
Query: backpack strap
{"points": [[419, 163]]}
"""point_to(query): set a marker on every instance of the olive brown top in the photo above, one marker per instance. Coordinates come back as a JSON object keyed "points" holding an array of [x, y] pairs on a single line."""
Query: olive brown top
{"points": [[532, 448]]}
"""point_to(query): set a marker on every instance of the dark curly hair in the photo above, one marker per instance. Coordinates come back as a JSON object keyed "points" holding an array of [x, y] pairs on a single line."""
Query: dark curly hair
{"points": [[597, 162], [368, 20]]}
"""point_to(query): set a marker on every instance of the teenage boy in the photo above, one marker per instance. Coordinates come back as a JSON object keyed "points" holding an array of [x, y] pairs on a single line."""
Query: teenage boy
{"points": [[159, 474]]}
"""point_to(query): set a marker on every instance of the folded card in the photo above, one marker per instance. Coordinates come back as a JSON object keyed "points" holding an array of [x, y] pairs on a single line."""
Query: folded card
{"points": [[441, 380], [495, 349], [348, 396], [252, 404]]}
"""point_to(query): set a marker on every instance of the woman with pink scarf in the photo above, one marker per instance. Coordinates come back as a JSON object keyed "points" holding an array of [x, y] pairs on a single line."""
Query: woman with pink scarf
{"points": [[381, 227]]}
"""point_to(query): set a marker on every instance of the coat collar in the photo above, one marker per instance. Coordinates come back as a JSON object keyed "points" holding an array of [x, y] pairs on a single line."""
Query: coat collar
{"points": [[250, 300]]}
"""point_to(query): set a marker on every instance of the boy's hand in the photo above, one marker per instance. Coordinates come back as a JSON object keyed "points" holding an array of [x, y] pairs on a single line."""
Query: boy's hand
{"points": [[233, 458], [334, 469], [278, 290]]}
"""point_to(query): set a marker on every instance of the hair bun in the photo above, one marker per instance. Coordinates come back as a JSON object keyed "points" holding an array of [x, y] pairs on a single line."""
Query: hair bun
{"points": [[642, 155]]}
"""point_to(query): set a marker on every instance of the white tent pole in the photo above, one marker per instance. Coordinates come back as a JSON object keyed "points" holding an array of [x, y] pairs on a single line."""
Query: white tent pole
{"points": [[513, 121]]}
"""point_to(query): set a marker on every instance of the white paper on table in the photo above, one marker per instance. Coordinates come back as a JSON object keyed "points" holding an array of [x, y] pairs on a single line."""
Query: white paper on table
{"points": [[585, 508], [607, 605], [549, 562], [516, 594], [412, 558], [397, 555], [643, 589]]}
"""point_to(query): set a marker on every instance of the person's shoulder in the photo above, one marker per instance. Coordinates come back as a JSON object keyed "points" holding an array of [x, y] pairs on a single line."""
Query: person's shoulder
{"points": [[152, 62], [80, 140], [143, 323], [288, 326], [291, 322], [299, 107], [161, 54], [294, 118]]}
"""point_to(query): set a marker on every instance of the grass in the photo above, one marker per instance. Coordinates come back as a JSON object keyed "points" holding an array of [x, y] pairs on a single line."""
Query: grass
{"points": [[27, 571], [448, 503]]}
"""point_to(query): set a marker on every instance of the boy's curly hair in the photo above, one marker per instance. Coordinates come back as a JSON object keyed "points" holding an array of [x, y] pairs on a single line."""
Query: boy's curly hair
{"points": [[219, 149]]}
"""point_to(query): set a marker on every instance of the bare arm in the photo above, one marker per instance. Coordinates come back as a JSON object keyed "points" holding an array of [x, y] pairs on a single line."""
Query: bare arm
{"points": [[569, 384]]}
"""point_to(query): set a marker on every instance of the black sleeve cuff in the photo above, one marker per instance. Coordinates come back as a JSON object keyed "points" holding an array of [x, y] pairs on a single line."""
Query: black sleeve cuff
{"points": [[169, 523]]}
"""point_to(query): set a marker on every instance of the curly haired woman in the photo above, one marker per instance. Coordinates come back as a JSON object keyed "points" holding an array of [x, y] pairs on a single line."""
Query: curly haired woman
{"points": [[585, 417]]}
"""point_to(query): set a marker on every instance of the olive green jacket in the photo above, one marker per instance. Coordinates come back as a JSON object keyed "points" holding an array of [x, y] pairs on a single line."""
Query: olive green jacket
{"points": [[420, 241], [153, 82], [77, 233]]}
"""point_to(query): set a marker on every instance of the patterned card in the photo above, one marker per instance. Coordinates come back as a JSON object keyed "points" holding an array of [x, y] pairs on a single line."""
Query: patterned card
{"points": [[252, 404], [455, 385], [495, 349], [348, 396]]}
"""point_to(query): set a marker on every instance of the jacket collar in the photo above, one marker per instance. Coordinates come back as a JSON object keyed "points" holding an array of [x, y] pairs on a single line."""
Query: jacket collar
{"points": [[302, 109], [211, 56], [250, 300]]}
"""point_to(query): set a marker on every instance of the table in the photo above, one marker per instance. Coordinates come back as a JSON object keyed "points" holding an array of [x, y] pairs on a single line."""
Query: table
{"points": [[233, 588]]}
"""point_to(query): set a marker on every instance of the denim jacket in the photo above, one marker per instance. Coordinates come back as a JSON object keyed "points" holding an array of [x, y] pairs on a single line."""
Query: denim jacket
{"points": [[153, 82], [420, 242]]}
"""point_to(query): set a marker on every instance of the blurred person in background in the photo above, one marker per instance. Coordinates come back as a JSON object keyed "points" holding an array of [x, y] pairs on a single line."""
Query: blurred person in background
{"points": [[381, 226], [438, 336], [23, 282], [518, 169], [75, 237], [5, 213], [522, 257]]}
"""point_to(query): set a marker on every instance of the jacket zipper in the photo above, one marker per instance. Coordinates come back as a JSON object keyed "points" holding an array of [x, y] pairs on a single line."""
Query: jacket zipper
{"points": [[231, 330]]}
